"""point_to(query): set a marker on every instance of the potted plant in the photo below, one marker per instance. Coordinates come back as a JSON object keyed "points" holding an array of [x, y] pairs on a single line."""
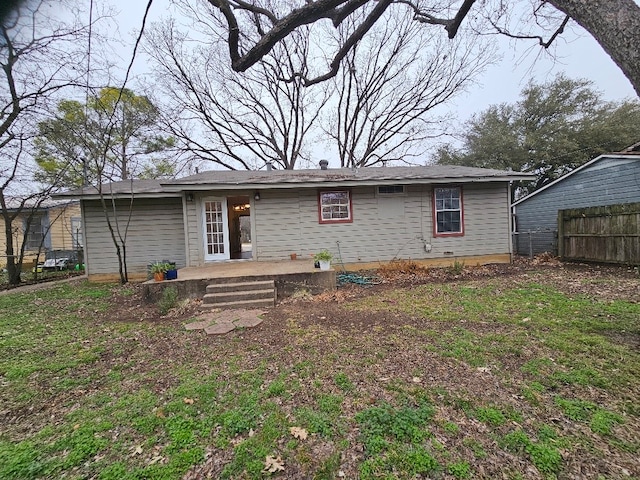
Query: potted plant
{"points": [[159, 269], [324, 259], [172, 271]]}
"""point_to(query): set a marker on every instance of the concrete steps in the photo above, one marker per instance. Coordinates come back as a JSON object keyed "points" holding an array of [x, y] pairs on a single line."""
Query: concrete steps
{"points": [[253, 294]]}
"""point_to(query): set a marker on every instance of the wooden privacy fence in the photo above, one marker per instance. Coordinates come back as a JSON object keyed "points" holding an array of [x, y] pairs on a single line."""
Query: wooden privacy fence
{"points": [[609, 233]]}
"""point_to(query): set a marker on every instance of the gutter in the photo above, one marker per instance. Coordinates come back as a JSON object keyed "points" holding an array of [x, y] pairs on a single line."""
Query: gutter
{"points": [[336, 184]]}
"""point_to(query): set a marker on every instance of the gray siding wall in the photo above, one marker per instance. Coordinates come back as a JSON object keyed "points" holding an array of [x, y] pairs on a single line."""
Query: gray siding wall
{"points": [[193, 226], [156, 232], [607, 182], [383, 228]]}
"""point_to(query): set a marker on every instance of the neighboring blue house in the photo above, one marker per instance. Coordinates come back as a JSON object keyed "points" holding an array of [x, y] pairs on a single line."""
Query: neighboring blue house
{"points": [[609, 179]]}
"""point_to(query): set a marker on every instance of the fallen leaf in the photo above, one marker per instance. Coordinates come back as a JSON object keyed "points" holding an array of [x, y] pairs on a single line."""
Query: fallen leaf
{"points": [[237, 441], [483, 369], [416, 380], [188, 401], [526, 319], [138, 450], [160, 413], [156, 459], [76, 426], [298, 432], [251, 432], [273, 464]]}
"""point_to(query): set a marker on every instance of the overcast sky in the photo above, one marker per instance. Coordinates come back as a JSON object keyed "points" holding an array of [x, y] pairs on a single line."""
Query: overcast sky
{"points": [[576, 53], [581, 57]]}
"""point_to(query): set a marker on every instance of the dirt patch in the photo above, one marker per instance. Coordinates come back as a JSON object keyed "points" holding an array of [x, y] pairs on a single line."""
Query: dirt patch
{"points": [[603, 282], [129, 306]]}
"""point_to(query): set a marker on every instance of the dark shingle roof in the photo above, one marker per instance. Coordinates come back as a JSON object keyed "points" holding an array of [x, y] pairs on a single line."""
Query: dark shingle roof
{"points": [[124, 187], [249, 179], [341, 175]]}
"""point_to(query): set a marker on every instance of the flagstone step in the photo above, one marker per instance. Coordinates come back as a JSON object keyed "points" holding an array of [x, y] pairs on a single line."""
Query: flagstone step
{"points": [[225, 321]]}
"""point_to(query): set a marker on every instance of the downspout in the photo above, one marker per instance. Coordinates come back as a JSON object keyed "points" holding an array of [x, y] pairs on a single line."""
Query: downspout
{"points": [[511, 212], [85, 249], [185, 225]]}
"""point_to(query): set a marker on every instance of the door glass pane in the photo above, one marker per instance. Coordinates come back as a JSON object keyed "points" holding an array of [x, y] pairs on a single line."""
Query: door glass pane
{"points": [[214, 227]]}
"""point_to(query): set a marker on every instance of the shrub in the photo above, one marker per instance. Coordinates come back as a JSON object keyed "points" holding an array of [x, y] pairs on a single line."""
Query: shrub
{"points": [[169, 300], [457, 268]]}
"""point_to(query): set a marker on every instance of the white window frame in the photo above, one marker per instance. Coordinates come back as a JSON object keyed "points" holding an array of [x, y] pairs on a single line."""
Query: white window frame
{"points": [[36, 235], [327, 207], [77, 237]]}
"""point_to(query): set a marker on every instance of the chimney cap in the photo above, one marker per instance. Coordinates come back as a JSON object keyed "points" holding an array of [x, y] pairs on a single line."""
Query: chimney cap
{"points": [[324, 164]]}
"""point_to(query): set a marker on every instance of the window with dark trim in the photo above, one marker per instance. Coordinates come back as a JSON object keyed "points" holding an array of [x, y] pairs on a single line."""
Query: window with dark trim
{"points": [[447, 207], [334, 206]]}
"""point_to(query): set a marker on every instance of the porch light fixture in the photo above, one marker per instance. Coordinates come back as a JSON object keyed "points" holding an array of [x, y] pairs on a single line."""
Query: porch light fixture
{"points": [[189, 197], [256, 196]]}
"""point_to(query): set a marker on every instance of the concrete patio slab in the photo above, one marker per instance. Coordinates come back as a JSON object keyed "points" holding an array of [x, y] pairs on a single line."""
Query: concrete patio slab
{"points": [[289, 277]]}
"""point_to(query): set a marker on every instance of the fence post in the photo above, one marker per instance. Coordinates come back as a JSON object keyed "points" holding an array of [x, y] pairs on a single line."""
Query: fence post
{"points": [[561, 233]]}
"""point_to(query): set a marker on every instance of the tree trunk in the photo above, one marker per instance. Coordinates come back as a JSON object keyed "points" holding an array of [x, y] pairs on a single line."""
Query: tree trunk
{"points": [[615, 24], [13, 269]]}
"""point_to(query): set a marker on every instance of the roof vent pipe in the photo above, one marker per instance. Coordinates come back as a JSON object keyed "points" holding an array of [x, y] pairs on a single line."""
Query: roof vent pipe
{"points": [[324, 164], [269, 166]]}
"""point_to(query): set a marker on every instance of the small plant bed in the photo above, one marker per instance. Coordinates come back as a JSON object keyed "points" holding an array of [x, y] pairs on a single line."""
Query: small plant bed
{"points": [[531, 373]]}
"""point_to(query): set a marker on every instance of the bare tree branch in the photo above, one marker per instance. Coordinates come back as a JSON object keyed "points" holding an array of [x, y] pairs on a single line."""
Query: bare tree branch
{"points": [[351, 41], [245, 120], [615, 24], [388, 85], [543, 43]]}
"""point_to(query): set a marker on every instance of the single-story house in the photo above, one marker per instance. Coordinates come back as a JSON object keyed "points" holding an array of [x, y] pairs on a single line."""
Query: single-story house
{"points": [[54, 225], [365, 216], [609, 179]]}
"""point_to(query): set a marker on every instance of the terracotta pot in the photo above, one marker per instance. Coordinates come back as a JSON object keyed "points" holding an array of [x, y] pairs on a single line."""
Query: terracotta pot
{"points": [[293, 256], [158, 276]]}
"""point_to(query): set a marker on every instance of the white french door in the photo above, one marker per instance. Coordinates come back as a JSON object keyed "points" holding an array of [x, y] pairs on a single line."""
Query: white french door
{"points": [[215, 221]]}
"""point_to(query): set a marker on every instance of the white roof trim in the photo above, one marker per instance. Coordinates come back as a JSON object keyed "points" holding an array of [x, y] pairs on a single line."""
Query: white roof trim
{"points": [[576, 170]]}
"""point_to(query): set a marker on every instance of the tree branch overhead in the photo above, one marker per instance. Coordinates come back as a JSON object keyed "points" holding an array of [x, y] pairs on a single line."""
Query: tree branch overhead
{"points": [[614, 24]]}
